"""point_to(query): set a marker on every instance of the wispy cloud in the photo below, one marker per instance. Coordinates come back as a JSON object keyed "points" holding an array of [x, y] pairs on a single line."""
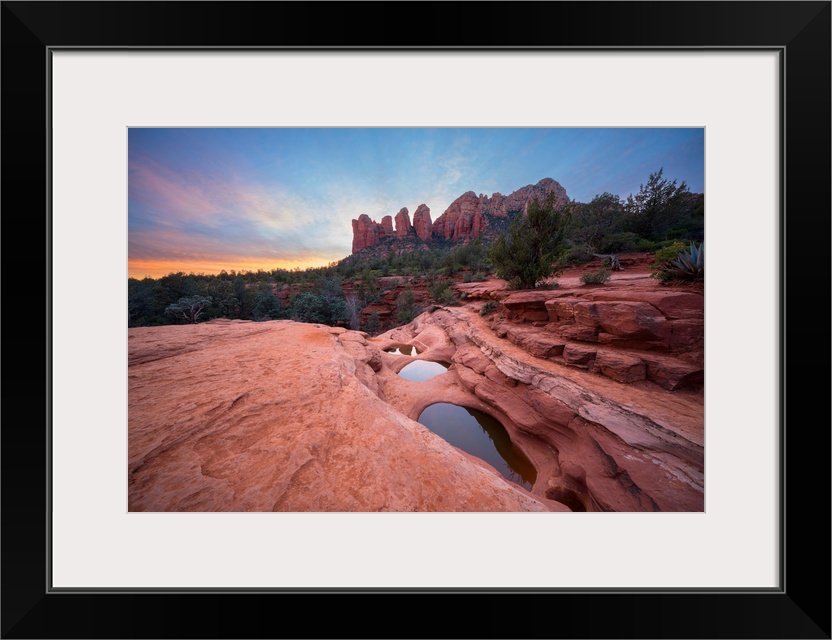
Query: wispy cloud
{"points": [[284, 197]]}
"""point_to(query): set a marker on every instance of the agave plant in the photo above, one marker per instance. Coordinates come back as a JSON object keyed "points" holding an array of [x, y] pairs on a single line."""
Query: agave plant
{"points": [[688, 265]]}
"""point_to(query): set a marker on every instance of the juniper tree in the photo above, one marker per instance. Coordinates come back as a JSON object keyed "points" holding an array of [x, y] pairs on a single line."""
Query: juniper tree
{"points": [[532, 248], [189, 308]]}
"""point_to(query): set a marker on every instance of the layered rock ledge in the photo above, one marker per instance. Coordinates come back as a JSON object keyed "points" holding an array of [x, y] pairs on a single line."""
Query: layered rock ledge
{"points": [[600, 387]]}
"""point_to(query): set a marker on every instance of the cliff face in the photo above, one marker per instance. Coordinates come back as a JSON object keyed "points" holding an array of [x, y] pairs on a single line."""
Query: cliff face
{"points": [[422, 224], [365, 233], [465, 218], [470, 214], [403, 226]]}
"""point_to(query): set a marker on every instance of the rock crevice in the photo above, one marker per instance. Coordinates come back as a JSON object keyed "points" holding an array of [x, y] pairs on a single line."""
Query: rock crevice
{"points": [[654, 437]]}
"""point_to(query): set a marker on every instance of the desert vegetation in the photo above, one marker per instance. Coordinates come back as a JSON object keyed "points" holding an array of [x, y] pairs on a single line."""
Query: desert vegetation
{"points": [[532, 249], [597, 277]]}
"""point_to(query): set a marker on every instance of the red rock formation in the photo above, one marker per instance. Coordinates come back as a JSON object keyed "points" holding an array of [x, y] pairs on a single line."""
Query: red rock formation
{"points": [[457, 221], [422, 223], [387, 226], [465, 218], [365, 233], [403, 226], [519, 200], [468, 215]]}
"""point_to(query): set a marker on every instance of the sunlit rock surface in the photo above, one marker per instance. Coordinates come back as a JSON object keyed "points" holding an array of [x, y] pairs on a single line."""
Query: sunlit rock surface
{"points": [[282, 416], [599, 386]]}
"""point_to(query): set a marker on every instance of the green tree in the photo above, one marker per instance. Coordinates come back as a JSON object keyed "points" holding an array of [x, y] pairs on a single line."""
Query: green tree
{"points": [[267, 305], [594, 222], [440, 291], [659, 206], [532, 248], [310, 307], [243, 298], [140, 302], [406, 308], [190, 308], [331, 288], [373, 324], [368, 286]]}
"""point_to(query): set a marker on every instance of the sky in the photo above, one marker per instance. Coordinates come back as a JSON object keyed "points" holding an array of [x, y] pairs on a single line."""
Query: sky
{"points": [[204, 200]]}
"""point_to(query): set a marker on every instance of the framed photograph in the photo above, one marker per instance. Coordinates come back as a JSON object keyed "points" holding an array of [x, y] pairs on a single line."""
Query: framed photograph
{"points": [[80, 79]]}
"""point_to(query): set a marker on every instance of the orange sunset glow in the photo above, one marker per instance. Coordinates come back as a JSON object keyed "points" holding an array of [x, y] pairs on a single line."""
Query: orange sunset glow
{"points": [[204, 200], [157, 268]]}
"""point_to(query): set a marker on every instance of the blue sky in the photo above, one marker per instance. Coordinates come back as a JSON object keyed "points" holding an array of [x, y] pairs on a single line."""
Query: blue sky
{"points": [[203, 200]]}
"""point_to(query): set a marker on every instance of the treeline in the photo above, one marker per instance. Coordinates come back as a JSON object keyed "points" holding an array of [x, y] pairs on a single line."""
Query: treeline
{"points": [[662, 212], [312, 295]]}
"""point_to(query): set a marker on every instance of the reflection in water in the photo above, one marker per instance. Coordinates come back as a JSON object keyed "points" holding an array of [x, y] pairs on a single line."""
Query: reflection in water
{"points": [[405, 350], [480, 435], [421, 370]]}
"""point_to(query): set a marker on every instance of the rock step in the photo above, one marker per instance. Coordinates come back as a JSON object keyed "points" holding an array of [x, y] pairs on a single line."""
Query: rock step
{"points": [[620, 364], [669, 320]]}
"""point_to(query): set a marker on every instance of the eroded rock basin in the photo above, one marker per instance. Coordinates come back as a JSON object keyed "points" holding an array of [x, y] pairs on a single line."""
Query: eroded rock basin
{"points": [[599, 440], [421, 370], [480, 435]]}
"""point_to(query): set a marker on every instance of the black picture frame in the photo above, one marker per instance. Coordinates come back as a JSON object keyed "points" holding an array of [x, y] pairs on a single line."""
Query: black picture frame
{"points": [[799, 608]]}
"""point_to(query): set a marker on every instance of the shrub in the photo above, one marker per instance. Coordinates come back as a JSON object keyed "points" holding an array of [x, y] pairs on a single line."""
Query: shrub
{"points": [[406, 307], [667, 254], [474, 277], [373, 323], [319, 309], [447, 298], [677, 263], [688, 265], [441, 292], [578, 255], [620, 242], [646, 245], [488, 307], [596, 277]]}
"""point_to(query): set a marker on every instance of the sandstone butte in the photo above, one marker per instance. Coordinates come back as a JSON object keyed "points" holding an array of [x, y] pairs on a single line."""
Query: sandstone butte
{"points": [[600, 386], [465, 218]]}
